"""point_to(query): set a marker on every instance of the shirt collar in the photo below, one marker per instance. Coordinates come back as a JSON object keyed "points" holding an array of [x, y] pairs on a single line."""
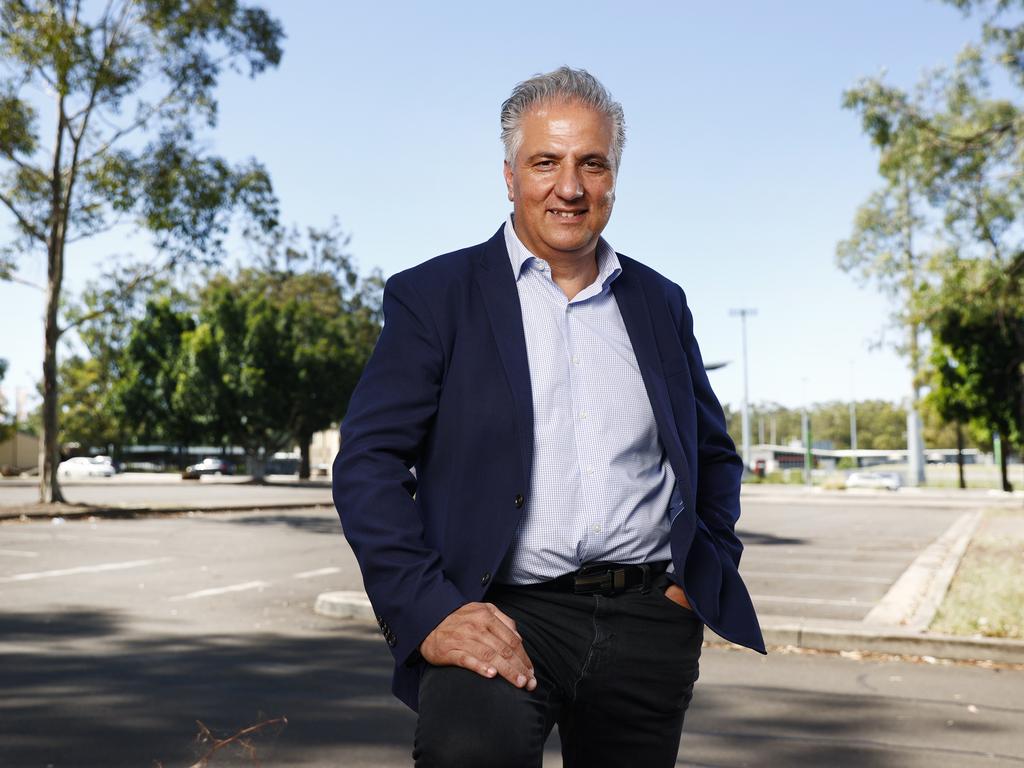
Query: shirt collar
{"points": [[608, 267]]}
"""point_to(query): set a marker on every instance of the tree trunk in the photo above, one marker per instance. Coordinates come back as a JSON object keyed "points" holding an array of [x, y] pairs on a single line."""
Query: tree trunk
{"points": [[304, 441], [1007, 486], [960, 453], [258, 464], [49, 452]]}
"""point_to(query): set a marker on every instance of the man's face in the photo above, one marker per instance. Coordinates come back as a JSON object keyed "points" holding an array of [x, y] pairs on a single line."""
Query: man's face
{"points": [[561, 182]]}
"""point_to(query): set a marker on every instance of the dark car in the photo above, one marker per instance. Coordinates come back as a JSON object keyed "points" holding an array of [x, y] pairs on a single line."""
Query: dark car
{"points": [[208, 466]]}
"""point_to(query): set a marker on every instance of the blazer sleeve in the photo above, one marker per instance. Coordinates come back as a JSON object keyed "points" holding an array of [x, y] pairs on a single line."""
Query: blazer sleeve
{"points": [[388, 419], [719, 467]]}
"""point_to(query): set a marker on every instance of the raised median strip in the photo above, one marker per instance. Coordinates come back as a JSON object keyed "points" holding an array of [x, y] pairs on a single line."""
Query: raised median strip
{"points": [[914, 598], [855, 636], [113, 511]]}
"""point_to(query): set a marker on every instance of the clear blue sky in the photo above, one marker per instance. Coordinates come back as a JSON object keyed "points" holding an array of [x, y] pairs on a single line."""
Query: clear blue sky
{"points": [[740, 174]]}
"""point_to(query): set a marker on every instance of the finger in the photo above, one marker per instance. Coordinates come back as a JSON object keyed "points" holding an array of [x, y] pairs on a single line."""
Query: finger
{"points": [[505, 630], [504, 618], [467, 660], [511, 663]]}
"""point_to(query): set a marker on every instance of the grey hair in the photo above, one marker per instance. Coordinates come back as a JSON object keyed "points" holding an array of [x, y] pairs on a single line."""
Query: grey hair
{"points": [[563, 85]]}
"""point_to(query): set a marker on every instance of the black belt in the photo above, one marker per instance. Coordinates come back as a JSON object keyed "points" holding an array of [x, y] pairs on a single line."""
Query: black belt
{"points": [[604, 578]]}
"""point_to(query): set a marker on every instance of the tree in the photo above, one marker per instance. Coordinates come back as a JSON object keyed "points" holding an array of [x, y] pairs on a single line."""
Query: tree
{"points": [[6, 427], [978, 318], [880, 424], [130, 89], [964, 151], [279, 348], [336, 317], [89, 409], [148, 397]]}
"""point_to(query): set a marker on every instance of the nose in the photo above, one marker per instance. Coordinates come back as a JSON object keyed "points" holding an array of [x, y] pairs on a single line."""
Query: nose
{"points": [[568, 185]]}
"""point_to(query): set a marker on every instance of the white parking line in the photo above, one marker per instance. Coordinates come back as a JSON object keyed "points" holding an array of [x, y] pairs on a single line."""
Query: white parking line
{"points": [[78, 537], [775, 550], [818, 577], [220, 590], [806, 600], [317, 572], [18, 553], [82, 569], [845, 562]]}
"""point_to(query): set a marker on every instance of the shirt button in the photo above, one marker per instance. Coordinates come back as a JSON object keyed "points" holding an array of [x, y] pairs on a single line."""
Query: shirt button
{"points": [[485, 579], [575, 359], [597, 529], [590, 470], [519, 501], [583, 415]]}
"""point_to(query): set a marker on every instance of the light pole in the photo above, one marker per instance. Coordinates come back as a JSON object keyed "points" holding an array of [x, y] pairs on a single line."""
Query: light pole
{"points": [[742, 314], [853, 417]]}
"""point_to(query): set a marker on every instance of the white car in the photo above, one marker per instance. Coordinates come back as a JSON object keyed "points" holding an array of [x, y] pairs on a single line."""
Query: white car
{"points": [[87, 466], [889, 481]]}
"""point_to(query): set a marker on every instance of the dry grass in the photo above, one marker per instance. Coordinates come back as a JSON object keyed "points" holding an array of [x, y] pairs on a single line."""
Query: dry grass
{"points": [[986, 597]]}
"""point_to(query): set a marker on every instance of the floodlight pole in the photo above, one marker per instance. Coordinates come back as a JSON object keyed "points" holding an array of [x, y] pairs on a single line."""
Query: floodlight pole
{"points": [[742, 314]]}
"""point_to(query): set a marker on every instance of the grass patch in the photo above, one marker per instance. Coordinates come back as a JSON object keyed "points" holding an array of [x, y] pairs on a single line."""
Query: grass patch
{"points": [[986, 597]]}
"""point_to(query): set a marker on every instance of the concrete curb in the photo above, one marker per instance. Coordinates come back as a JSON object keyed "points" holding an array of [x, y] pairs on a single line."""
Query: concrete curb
{"points": [[915, 597], [77, 511], [345, 605], [823, 636], [893, 641]]}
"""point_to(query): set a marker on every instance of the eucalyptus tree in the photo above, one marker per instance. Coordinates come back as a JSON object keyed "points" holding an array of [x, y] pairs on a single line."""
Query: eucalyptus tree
{"points": [[124, 87], [960, 149]]}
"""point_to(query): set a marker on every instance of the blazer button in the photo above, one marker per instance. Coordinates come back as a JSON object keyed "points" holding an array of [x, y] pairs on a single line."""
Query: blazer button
{"points": [[485, 579], [519, 501]]}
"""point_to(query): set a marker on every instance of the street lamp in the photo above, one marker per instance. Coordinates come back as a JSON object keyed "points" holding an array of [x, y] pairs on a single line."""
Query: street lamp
{"points": [[742, 314]]}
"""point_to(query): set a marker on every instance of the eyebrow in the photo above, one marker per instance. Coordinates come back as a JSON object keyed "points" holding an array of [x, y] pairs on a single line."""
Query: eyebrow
{"points": [[557, 156]]}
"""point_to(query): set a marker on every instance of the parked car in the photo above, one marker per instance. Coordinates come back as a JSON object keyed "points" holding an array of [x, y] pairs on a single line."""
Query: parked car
{"points": [[87, 466], [211, 465], [890, 481]]}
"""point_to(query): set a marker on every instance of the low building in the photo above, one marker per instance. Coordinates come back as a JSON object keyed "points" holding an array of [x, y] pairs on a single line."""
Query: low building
{"points": [[19, 453]]}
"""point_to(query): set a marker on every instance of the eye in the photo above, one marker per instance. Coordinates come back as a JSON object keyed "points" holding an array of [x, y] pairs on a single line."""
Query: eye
{"points": [[544, 164]]}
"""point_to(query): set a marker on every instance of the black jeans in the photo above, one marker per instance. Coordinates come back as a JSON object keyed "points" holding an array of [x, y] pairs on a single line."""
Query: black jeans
{"points": [[615, 673]]}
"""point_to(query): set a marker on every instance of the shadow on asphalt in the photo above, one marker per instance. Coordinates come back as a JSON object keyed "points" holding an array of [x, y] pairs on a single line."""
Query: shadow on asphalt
{"points": [[88, 695], [754, 537], [306, 523]]}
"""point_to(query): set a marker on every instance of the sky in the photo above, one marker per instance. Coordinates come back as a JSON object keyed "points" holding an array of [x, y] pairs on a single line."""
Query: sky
{"points": [[741, 170]]}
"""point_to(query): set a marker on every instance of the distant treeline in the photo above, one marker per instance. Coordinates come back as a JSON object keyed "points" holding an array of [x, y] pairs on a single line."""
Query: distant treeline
{"points": [[881, 425]]}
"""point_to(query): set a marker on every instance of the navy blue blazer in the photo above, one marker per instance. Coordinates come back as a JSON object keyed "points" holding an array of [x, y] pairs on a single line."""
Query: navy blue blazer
{"points": [[447, 391]]}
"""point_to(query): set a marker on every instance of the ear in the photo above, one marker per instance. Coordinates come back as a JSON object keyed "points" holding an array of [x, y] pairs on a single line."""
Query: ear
{"points": [[508, 180]]}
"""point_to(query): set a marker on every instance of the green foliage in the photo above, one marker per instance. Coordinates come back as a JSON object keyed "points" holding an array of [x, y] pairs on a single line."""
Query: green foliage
{"points": [[945, 231], [6, 427], [261, 358], [133, 81], [881, 425]]}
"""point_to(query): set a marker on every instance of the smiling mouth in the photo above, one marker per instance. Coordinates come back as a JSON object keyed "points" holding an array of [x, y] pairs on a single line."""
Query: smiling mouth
{"points": [[567, 214]]}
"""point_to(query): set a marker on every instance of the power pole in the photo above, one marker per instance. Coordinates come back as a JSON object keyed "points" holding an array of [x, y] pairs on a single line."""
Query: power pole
{"points": [[853, 417], [743, 314]]}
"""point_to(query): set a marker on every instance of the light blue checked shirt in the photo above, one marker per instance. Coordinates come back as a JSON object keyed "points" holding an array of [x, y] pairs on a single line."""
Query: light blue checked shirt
{"points": [[602, 487]]}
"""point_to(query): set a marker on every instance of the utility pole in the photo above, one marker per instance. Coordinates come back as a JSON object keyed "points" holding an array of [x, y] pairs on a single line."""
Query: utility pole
{"points": [[743, 314], [853, 417]]}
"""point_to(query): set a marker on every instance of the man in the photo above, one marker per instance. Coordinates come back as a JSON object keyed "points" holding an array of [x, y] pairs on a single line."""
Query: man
{"points": [[535, 475]]}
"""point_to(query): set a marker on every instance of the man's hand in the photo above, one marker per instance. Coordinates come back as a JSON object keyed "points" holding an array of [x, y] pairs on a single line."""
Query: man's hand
{"points": [[482, 639], [676, 595]]}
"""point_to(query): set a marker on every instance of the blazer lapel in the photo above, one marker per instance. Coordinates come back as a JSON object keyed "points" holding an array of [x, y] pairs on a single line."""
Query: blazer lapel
{"points": [[632, 300], [501, 299]]}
